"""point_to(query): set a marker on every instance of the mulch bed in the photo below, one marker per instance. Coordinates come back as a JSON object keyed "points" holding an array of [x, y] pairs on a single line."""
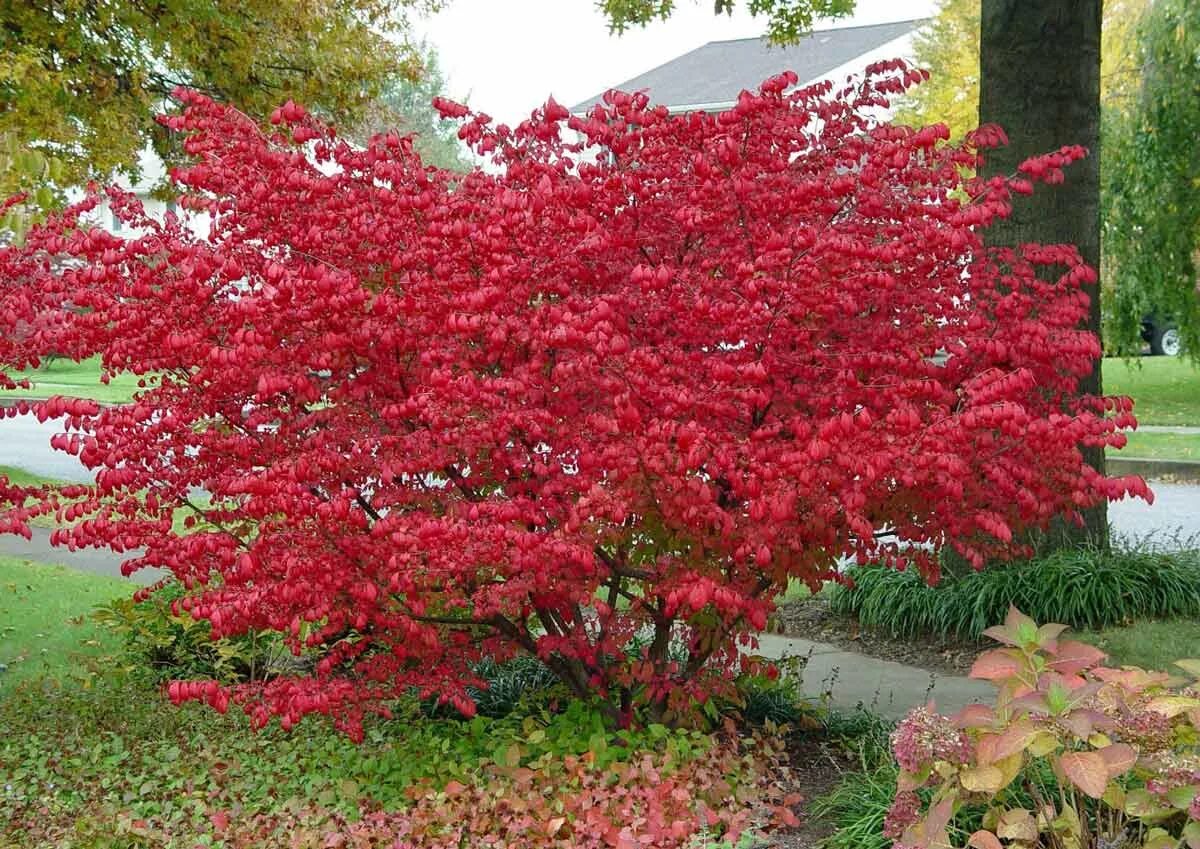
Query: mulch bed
{"points": [[812, 619], [817, 767]]}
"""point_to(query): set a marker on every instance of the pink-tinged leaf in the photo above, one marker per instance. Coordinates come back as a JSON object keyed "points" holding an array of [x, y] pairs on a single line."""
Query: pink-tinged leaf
{"points": [[1015, 738], [553, 825], [1030, 703], [1119, 758], [985, 748], [1087, 771], [1000, 634], [1073, 657], [219, 820], [1131, 679], [911, 781], [939, 816], [1018, 824], [1172, 705], [984, 840], [996, 665], [1015, 619], [1083, 722], [1047, 636], [974, 716]]}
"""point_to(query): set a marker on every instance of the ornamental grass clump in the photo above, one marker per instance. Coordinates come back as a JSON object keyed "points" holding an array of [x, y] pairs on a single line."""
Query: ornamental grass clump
{"points": [[1083, 587]]}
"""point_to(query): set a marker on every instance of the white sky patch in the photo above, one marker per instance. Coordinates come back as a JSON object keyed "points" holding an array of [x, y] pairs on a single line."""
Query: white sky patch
{"points": [[505, 57]]}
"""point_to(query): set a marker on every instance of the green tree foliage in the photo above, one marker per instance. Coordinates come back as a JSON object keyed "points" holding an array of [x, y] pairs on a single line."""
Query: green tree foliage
{"points": [[1152, 181], [32, 172], [406, 106], [82, 80], [948, 45], [787, 20]]}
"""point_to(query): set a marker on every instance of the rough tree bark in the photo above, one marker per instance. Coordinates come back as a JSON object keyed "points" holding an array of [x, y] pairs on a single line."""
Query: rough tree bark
{"points": [[1040, 81]]}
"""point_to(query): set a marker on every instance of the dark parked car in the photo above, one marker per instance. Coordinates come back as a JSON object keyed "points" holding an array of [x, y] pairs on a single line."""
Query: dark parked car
{"points": [[1162, 335]]}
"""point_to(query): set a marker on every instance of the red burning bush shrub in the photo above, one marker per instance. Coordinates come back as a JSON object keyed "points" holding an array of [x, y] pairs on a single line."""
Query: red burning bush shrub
{"points": [[627, 384]]}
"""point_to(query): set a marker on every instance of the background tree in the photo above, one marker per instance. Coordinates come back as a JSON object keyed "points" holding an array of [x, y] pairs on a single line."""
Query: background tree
{"points": [[82, 81], [1152, 181], [787, 20], [405, 105], [948, 46], [1039, 63]]}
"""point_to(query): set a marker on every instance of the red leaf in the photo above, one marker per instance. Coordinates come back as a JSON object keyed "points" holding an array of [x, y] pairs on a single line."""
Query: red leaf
{"points": [[1086, 770], [996, 665], [1119, 758], [1073, 657], [984, 840]]}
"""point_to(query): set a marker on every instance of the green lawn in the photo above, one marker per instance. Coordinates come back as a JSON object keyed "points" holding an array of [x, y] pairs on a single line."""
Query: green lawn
{"points": [[1165, 390], [82, 379], [20, 477], [1151, 645], [44, 617], [1160, 446]]}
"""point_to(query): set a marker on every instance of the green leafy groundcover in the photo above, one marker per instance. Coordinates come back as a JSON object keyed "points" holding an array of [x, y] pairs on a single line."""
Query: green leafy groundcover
{"points": [[106, 762], [1082, 588]]}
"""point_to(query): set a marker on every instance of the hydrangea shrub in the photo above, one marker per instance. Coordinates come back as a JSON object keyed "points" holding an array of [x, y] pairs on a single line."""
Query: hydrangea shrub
{"points": [[1109, 757]]}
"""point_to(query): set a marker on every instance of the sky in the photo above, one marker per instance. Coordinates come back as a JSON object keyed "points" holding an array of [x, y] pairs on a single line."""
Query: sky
{"points": [[507, 56]]}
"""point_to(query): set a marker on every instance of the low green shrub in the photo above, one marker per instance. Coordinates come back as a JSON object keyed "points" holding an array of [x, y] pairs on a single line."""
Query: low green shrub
{"points": [[1084, 588], [160, 645]]}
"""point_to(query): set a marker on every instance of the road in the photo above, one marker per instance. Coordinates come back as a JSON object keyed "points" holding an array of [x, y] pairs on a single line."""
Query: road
{"points": [[25, 443]]}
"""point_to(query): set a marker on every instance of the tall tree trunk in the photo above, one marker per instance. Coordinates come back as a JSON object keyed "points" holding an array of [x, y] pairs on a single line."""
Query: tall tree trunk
{"points": [[1040, 80]]}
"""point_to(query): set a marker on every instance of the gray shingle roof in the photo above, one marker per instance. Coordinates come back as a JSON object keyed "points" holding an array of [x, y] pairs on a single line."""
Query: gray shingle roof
{"points": [[718, 72]]}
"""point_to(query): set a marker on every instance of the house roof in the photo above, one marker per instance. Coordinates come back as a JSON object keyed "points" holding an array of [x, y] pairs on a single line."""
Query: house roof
{"points": [[715, 74]]}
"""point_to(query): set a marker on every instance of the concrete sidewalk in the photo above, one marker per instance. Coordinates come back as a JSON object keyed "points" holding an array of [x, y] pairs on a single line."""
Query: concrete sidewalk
{"points": [[884, 688], [96, 561]]}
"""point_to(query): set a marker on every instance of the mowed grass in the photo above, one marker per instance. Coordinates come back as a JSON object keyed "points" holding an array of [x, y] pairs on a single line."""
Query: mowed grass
{"points": [[77, 380], [45, 622], [1160, 446], [1150, 645], [20, 477], [1165, 390]]}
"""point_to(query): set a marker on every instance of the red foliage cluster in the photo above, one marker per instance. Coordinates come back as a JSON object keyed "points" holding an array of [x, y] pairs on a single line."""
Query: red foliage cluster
{"points": [[633, 378]]}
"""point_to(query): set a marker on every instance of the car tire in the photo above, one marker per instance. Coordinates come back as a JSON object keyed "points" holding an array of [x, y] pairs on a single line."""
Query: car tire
{"points": [[1164, 341]]}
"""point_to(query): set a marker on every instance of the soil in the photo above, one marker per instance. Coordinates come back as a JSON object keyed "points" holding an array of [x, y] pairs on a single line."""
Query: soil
{"points": [[817, 766], [812, 619]]}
